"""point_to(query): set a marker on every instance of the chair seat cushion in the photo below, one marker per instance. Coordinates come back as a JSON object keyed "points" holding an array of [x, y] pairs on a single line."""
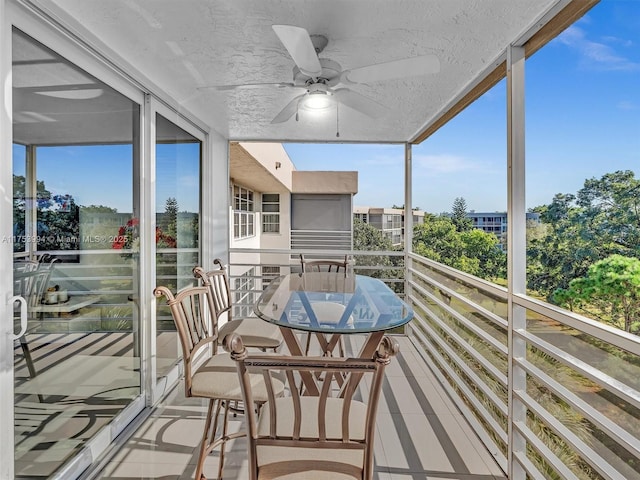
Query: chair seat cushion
{"points": [[275, 455], [254, 332], [218, 378]]}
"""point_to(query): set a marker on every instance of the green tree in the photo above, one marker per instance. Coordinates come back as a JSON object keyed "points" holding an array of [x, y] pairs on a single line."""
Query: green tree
{"points": [[562, 253], [473, 251], [170, 218], [612, 286], [602, 219], [437, 239], [98, 209], [367, 237], [459, 215], [485, 247], [610, 206]]}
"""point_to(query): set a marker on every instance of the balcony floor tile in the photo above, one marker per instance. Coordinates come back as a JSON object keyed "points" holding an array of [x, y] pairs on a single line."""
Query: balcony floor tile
{"points": [[420, 434]]}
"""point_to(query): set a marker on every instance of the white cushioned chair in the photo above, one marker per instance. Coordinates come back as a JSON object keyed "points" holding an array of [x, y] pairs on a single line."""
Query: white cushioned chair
{"points": [[254, 331], [207, 372], [324, 437]]}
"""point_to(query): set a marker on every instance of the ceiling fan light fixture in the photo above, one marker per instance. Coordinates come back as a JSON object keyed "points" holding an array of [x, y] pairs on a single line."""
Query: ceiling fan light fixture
{"points": [[317, 101]]}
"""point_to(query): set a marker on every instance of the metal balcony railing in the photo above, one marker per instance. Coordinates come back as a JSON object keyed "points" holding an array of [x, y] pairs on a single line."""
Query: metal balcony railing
{"points": [[559, 398]]}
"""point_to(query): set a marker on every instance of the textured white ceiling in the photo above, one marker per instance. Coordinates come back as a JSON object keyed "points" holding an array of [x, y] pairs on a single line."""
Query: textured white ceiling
{"points": [[187, 44]]}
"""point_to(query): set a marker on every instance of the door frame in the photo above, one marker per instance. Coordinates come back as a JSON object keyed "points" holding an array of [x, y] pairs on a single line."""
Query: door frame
{"points": [[159, 387]]}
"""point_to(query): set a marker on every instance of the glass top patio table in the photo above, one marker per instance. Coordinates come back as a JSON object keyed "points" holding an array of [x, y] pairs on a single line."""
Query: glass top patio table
{"points": [[361, 304], [331, 304]]}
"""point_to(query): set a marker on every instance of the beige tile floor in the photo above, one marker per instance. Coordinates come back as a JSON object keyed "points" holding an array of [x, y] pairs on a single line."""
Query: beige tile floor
{"points": [[420, 435]]}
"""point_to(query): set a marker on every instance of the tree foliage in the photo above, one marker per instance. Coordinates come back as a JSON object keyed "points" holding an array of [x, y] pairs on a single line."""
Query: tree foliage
{"points": [[459, 215], [170, 217], [601, 220], [612, 286], [473, 251], [58, 216], [98, 209], [368, 237]]}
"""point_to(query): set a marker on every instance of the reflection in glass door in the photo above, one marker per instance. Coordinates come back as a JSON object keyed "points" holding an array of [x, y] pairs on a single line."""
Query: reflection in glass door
{"points": [[177, 227], [75, 257]]}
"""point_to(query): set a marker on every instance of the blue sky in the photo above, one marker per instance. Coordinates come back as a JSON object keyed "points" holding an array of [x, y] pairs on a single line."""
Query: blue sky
{"points": [[582, 121]]}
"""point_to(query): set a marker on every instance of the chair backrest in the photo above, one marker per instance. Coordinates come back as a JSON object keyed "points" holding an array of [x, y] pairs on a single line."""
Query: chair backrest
{"points": [[25, 265], [189, 308], [217, 282], [331, 432], [31, 285], [324, 265]]}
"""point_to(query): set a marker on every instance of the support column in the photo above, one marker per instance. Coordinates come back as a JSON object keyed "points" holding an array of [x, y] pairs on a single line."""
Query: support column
{"points": [[408, 218], [516, 251], [146, 140]]}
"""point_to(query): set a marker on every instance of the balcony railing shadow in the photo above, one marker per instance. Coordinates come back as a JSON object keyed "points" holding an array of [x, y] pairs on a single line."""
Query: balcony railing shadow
{"points": [[419, 433], [487, 383], [556, 395]]}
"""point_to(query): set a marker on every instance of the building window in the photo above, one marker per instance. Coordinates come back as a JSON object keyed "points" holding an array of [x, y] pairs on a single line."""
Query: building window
{"points": [[243, 294], [243, 215], [362, 217], [268, 274], [270, 213]]}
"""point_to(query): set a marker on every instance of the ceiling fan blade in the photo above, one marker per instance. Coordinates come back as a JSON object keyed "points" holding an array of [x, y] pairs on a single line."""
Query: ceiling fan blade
{"points": [[223, 88], [407, 67], [298, 43], [287, 112], [359, 102]]}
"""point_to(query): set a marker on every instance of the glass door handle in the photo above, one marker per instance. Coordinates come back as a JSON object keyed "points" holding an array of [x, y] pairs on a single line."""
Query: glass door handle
{"points": [[23, 316]]}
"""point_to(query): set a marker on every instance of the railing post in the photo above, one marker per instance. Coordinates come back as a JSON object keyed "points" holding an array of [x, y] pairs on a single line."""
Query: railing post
{"points": [[516, 253], [408, 220]]}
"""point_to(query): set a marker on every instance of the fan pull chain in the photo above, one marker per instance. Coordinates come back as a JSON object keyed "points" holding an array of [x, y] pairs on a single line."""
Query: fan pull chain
{"points": [[337, 121]]}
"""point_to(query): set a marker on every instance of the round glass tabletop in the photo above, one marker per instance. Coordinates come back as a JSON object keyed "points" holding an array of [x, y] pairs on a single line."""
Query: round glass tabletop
{"points": [[331, 302]]}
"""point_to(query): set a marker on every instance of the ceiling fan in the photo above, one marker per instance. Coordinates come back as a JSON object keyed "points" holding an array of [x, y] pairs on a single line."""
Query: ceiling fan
{"points": [[320, 77]]}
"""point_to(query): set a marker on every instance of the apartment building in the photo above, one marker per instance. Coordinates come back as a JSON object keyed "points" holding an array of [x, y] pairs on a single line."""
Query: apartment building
{"points": [[390, 221], [496, 223], [274, 206]]}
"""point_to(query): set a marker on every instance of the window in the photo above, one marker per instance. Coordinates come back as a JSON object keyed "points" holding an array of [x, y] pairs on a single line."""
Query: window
{"points": [[268, 274], [243, 294], [243, 217], [362, 216], [270, 213]]}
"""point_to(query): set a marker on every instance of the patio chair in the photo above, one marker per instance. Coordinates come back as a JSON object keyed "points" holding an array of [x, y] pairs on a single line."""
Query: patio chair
{"points": [[313, 437], [326, 311], [207, 373], [324, 265], [30, 281], [255, 332]]}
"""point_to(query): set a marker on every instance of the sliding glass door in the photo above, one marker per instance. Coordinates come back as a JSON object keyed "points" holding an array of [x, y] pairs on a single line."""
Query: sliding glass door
{"points": [[76, 246]]}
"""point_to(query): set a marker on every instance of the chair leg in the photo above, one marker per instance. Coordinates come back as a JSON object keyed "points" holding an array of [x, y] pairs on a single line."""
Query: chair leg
{"points": [[225, 424], [209, 440], [29, 361], [204, 444], [27, 357]]}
